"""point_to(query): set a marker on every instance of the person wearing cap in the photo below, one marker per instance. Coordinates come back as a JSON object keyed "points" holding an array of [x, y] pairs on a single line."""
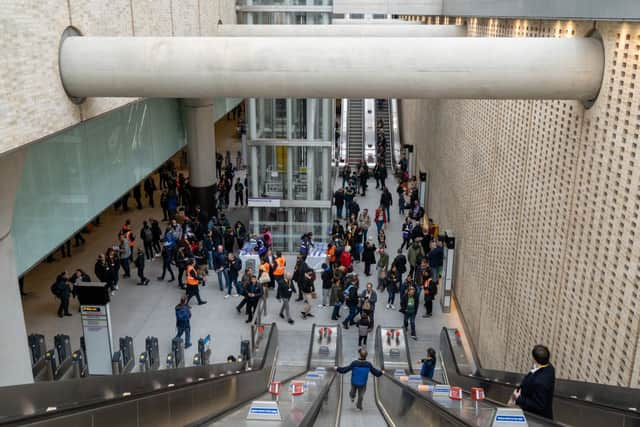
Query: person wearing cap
{"points": [[359, 376]]}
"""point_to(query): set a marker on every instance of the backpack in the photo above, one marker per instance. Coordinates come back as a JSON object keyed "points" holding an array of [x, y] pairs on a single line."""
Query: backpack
{"points": [[55, 289], [237, 264], [147, 235]]}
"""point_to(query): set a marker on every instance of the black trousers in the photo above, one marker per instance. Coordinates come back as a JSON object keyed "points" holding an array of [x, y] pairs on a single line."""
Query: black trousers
{"points": [[64, 306], [148, 249], [362, 339], [238, 198], [141, 275], [428, 305], [251, 308], [166, 266], [193, 291]]}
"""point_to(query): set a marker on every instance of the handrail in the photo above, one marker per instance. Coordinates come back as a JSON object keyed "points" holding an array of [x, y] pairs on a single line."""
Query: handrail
{"points": [[408, 352], [341, 383], [310, 416], [313, 335], [376, 391], [157, 380]]}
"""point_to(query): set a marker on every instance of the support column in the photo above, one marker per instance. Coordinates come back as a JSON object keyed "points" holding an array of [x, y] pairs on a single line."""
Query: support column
{"points": [[15, 365], [201, 149]]}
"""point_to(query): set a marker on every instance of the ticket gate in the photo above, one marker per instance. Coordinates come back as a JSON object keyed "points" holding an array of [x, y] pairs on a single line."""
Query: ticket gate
{"points": [[123, 360], [149, 359], [175, 359]]}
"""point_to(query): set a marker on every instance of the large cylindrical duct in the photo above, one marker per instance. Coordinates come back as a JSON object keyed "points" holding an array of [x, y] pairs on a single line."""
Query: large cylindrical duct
{"points": [[333, 67]]}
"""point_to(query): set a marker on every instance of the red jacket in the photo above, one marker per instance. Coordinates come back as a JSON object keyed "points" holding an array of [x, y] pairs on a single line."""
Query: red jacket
{"points": [[345, 259], [380, 215]]}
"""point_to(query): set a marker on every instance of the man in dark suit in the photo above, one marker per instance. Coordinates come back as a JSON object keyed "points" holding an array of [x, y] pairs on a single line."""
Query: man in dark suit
{"points": [[535, 393]]}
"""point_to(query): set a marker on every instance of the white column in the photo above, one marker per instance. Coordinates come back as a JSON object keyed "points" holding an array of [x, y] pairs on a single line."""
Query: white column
{"points": [[289, 118], [254, 188], [201, 149], [252, 119], [15, 359]]}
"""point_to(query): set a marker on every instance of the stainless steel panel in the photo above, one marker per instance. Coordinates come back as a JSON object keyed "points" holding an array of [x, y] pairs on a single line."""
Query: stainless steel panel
{"points": [[122, 415], [154, 412]]}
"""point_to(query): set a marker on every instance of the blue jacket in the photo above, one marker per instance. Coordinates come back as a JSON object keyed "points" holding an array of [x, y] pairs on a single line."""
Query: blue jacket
{"points": [[219, 260], [359, 372], [428, 368]]}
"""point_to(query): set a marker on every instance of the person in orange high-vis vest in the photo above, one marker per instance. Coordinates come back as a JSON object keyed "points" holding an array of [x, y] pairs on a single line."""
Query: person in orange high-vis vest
{"points": [[278, 271], [331, 254], [193, 283]]}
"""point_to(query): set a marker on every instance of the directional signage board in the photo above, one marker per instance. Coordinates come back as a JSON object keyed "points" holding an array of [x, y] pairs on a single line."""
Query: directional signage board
{"points": [[509, 417], [264, 411]]}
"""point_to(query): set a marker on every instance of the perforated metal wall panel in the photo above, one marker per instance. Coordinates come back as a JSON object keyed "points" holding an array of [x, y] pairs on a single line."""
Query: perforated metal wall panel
{"points": [[543, 197]]}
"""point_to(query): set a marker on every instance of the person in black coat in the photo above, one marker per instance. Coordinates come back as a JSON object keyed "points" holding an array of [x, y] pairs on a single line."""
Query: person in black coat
{"points": [[535, 393], [368, 257]]}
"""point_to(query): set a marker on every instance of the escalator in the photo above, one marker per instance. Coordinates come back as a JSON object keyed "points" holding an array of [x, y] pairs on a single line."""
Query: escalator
{"points": [[355, 131], [318, 403], [406, 399], [575, 402], [383, 113], [201, 395]]}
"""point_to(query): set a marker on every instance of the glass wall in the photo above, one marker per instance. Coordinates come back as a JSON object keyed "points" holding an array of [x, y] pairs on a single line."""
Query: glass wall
{"points": [[72, 176], [290, 143]]}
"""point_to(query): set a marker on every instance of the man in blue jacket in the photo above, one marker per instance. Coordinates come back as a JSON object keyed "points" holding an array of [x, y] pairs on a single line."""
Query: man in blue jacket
{"points": [[359, 375]]}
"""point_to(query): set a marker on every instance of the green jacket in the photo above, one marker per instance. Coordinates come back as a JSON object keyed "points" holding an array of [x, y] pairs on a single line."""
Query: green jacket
{"points": [[412, 254], [383, 261]]}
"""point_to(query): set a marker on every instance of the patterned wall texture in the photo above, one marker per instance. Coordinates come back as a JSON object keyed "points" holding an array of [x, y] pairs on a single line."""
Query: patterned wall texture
{"points": [[544, 198], [34, 104]]}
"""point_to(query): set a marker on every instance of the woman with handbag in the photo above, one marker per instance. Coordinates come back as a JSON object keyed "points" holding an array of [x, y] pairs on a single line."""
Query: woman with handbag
{"points": [[264, 280], [369, 297]]}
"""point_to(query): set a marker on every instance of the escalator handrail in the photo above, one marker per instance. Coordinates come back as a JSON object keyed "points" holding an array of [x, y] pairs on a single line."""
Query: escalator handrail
{"points": [[341, 382], [624, 411], [85, 406], [310, 416], [376, 391], [408, 352], [313, 336]]}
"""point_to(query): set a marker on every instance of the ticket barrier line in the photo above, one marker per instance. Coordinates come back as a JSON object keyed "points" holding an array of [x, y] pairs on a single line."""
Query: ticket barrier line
{"points": [[152, 398]]}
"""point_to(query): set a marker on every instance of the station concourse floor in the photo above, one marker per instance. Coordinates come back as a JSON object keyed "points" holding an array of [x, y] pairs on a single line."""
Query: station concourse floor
{"points": [[141, 311]]}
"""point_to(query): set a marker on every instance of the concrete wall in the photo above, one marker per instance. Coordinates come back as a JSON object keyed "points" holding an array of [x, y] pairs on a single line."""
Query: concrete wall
{"points": [[543, 197], [33, 103]]}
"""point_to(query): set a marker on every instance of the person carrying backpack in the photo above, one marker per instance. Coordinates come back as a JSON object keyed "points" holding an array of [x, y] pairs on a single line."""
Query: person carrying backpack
{"points": [[183, 321], [352, 301], [146, 235], [139, 263], [61, 290]]}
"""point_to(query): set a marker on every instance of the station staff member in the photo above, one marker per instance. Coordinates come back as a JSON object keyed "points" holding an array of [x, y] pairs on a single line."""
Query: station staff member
{"points": [[193, 283], [278, 271]]}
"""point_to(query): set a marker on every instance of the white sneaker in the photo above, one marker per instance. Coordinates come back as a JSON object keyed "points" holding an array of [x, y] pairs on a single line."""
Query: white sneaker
{"points": [[393, 307], [320, 305], [388, 306], [236, 295]]}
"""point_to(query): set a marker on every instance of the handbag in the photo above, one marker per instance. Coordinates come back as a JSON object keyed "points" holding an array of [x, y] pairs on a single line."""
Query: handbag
{"points": [[314, 295], [366, 305], [264, 278]]}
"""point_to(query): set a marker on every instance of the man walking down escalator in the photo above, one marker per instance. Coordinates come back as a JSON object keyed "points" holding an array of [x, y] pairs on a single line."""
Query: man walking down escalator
{"points": [[359, 375]]}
